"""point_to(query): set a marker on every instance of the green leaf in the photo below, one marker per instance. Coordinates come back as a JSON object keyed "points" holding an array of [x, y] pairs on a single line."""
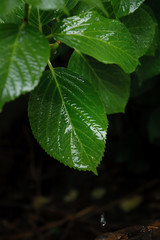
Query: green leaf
{"points": [[107, 40], [125, 7], [41, 17], [69, 120], [83, 7], [70, 4], [155, 42], [16, 15], [142, 27], [96, 3], [23, 55], [150, 67], [35, 17], [110, 82], [49, 4], [7, 5]]}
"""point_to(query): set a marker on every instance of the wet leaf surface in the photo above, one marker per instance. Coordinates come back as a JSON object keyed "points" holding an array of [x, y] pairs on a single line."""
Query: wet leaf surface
{"points": [[69, 120], [123, 7], [106, 40], [26, 53]]}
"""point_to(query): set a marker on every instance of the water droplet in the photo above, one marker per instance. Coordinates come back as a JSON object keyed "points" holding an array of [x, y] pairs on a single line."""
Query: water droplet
{"points": [[103, 220]]}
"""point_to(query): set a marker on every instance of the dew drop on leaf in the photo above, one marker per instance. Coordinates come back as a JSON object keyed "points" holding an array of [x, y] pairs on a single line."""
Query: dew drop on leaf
{"points": [[103, 220]]}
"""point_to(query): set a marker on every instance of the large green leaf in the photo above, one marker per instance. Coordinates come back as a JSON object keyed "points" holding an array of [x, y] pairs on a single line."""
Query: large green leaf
{"points": [[107, 40], [49, 4], [23, 55], [7, 5], [68, 119], [125, 7], [142, 27], [111, 83]]}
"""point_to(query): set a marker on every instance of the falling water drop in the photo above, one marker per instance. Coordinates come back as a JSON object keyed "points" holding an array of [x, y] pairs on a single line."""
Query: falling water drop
{"points": [[103, 220]]}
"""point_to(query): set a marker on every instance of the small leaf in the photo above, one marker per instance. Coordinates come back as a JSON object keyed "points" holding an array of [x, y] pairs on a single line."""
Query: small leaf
{"points": [[82, 6], [70, 4], [49, 4], [150, 67], [155, 42], [69, 120], [111, 83], [96, 3], [142, 27], [7, 5], [23, 55], [125, 7], [107, 40]]}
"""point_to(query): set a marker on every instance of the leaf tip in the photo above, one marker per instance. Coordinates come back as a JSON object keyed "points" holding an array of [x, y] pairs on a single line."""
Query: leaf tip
{"points": [[94, 170]]}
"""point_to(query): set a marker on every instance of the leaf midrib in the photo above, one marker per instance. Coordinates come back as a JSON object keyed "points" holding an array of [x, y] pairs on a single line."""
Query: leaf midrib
{"points": [[107, 43], [93, 71], [63, 103], [85, 60]]}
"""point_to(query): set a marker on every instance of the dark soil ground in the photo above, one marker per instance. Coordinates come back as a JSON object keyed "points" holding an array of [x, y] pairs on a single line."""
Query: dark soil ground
{"points": [[44, 200]]}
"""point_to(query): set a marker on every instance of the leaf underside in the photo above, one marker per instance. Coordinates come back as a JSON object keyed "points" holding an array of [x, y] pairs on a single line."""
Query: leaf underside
{"points": [[110, 82]]}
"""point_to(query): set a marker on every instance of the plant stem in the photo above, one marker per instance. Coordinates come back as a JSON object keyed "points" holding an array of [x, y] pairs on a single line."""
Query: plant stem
{"points": [[52, 69], [106, 13], [50, 36], [55, 45], [39, 22]]}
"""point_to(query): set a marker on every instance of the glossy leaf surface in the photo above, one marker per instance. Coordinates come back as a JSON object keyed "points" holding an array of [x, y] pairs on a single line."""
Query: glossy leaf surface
{"points": [[110, 82], [109, 41], [23, 55], [142, 27], [125, 7], [7, 5], [69, 120]]}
